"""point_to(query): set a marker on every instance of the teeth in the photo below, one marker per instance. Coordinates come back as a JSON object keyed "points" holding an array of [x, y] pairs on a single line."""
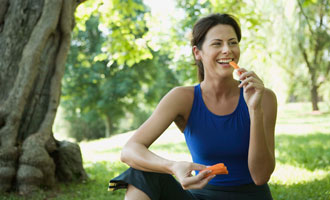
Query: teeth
{"points": [[224, 60]]}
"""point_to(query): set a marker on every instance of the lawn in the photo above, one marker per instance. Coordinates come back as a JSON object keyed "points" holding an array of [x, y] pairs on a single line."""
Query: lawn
{"points": [[302, 159]]}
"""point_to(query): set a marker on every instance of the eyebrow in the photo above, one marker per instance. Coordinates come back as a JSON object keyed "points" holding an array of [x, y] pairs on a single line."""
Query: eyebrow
{"points": [[222, 40]]}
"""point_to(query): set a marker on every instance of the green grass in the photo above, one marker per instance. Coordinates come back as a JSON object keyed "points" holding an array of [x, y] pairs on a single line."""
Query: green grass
{"points": [[302, 161]]}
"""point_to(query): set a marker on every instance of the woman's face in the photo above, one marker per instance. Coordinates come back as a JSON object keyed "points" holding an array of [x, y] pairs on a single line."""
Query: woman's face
{"points": [[219, 48]]}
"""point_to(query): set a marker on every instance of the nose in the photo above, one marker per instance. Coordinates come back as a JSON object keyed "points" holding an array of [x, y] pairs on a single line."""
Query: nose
{"points": [[225, 48]]}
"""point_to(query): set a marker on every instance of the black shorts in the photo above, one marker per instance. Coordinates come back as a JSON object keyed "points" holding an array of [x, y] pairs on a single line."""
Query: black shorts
{"points": [[164, 186]]}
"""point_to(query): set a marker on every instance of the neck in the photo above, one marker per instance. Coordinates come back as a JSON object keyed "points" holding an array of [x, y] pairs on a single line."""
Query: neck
{"points": [[220, 88]]}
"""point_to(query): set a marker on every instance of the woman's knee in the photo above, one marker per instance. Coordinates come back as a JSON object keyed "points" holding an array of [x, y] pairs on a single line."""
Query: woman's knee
{"points": [[134, 193]]}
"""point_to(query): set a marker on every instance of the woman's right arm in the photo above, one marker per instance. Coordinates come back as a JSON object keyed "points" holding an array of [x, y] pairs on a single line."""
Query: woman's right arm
{"points": [[136, 154]]}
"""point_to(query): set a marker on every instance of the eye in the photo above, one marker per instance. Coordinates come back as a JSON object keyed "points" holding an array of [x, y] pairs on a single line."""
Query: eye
{"points": [[217, 43], [233, 43]]}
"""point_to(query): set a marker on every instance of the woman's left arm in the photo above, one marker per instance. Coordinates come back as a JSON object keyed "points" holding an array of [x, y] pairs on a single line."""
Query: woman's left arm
{"points": [[262, 105]]}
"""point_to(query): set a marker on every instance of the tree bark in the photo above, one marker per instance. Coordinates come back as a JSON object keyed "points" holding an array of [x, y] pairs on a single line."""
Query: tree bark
{"points": [[312, 71], [34, 42], [315, 98], [107, 123]]}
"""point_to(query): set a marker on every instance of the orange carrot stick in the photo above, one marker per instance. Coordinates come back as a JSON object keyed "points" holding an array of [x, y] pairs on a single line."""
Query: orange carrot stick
{"points": [[216, 169], [234, 65]]}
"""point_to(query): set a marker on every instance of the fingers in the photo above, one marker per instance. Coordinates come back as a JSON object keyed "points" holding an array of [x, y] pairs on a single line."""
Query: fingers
{"points": [[250, 80], [197, 182], [252, 85], [245, 74], [194, 179], [240, 71]]}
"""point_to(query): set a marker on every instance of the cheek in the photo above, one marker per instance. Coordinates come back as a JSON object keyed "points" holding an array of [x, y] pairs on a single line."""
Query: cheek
{"points": [[237, 52]]}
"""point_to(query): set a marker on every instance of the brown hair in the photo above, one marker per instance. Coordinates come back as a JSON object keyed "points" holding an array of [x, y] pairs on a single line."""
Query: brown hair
{"points": [[202, 26]]}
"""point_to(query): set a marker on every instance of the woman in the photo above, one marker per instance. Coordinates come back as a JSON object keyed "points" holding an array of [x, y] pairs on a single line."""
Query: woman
{"points": [[223, 120]]}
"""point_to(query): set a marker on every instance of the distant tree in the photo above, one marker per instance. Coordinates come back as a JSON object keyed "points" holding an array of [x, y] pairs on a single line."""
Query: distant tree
{"points": [[112, 76], [34, 42], [313, 38]]}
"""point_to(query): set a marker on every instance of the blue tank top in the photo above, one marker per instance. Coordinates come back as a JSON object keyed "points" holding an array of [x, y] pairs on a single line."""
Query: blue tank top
{"points": [[213, 139]]}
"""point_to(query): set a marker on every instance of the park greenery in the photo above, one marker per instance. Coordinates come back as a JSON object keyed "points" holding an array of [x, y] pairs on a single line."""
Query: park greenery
{"points": [[122, 62], [302, 144]]}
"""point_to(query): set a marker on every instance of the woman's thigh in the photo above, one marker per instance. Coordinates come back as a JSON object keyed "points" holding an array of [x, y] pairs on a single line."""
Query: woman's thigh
{"points": [[157, 186]]}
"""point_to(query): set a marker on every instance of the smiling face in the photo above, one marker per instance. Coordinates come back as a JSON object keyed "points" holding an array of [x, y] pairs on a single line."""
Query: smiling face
{"points": [[219, 48]]}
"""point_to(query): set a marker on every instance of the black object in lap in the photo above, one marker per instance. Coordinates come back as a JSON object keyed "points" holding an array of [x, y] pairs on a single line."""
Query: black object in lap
{"points": [[155, 185], [160, 186]]}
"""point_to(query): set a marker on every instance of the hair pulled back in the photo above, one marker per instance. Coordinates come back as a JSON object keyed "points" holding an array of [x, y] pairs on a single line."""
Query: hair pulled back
{"points": [[202, 26]]}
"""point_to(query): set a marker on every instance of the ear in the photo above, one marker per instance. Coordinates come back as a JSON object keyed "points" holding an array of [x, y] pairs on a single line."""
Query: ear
{"points": [[197, 53]]}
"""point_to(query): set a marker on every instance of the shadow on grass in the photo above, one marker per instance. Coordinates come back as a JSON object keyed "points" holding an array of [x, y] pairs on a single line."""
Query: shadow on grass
{"points": [[100, 173], [310, 151], [312, 190], [96, 187]]}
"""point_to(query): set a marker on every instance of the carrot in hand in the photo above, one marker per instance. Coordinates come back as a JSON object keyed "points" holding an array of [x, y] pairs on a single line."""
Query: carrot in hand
{"points": [[216, 169], [235, 66]]}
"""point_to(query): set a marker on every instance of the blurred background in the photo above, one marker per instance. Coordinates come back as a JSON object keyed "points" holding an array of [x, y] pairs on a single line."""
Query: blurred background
{"points": [[126, 54]]}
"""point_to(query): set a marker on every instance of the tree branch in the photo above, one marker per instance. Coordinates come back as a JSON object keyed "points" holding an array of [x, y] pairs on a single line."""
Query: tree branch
{"points": [[305, 56], [307, 19], [318, 42]]}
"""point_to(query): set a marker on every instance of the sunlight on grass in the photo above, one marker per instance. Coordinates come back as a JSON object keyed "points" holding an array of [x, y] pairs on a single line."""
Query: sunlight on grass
{"points": [[302, 156], [287, 175], [302, 160]]}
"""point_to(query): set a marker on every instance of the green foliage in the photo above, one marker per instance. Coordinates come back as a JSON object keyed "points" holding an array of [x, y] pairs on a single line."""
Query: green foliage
{"points": [[101, 93], [85, 126], [306, 41], [123, 22], [121, 64]]}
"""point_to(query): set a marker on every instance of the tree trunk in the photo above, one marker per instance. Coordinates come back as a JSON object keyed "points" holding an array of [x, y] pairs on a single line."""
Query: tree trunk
{"points": [[34, 41], [315, 99], [314, 89], [107, 123]]}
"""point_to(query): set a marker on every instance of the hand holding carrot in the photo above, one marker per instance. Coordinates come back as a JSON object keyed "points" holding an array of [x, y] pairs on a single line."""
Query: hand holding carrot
{"points": [[252, 84], [183, 172]]}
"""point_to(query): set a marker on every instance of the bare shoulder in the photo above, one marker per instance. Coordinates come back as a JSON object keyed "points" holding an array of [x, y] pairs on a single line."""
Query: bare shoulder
{"points": [[184, 91], [269, 104], [181, 99], [181, 96], [269, 97], [171, 108]]}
